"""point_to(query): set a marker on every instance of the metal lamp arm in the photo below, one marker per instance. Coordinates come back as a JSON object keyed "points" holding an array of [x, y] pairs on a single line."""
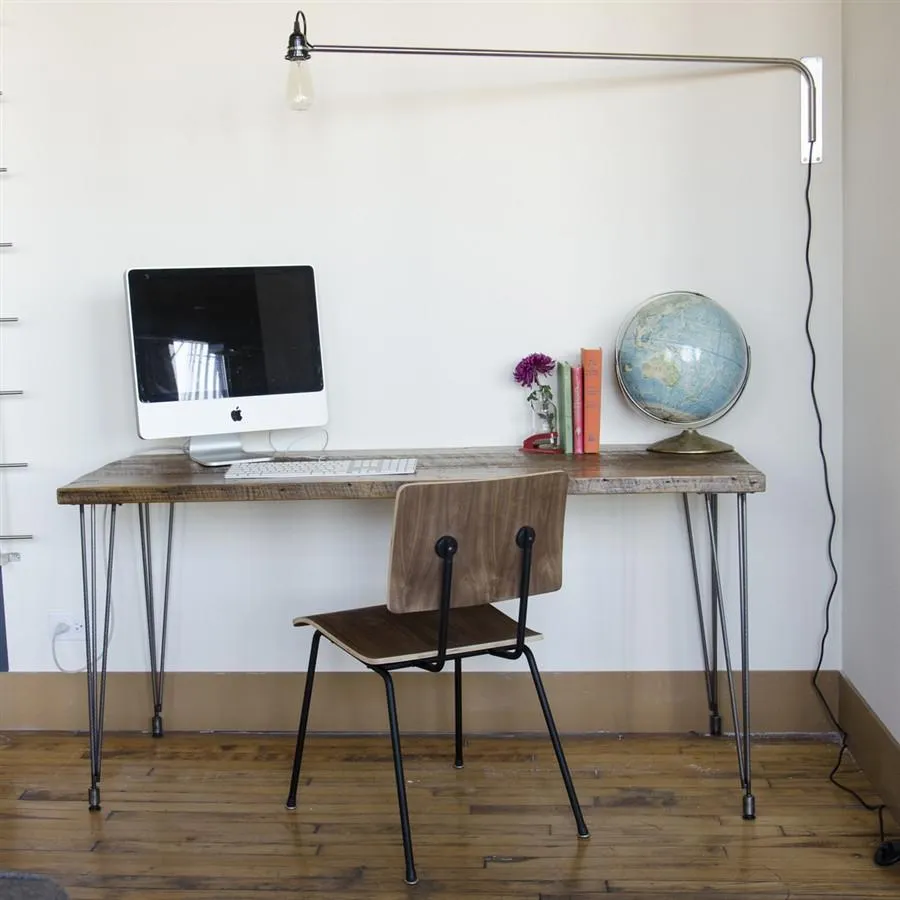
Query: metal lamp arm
{"points": [[770, 61]]}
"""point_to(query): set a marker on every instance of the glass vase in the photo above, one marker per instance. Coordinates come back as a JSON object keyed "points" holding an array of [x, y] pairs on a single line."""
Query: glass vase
{"points": [[544, 421]]}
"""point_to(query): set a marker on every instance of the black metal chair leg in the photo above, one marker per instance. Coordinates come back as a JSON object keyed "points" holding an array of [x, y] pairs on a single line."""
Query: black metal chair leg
{"points": [[457, 692], [411, 877], [557, 746], [291, 802]]}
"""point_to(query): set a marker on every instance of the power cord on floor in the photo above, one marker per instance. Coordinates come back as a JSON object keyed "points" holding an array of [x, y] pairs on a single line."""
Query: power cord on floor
{"points": [[888, 852]]}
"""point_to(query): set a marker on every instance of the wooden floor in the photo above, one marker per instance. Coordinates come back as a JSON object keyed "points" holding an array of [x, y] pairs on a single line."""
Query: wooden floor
{"points": [[202, 816]]}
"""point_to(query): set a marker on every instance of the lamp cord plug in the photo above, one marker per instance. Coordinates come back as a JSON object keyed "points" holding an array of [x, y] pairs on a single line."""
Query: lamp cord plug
{"points": [[888, 853]]}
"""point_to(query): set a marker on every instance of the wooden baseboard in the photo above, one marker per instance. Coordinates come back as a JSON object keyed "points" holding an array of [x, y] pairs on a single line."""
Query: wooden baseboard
{"points": [[872, 745], [494, 702]]}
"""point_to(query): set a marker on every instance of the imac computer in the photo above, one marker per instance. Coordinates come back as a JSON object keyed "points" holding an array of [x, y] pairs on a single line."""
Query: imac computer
{"points": [[220, 351]]}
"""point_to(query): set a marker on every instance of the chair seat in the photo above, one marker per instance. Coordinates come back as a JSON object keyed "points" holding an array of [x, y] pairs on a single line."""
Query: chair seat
{"points": [[376, 636]]}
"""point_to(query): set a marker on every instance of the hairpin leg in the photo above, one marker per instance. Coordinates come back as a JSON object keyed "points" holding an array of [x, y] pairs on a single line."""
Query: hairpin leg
{"points": [[157, 660], [96, 682], [741, 725], [709, 642], [749, 800]]}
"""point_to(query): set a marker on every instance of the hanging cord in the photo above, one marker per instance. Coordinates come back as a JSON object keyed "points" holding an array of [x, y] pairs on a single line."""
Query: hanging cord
{"points": [[887, 853]]}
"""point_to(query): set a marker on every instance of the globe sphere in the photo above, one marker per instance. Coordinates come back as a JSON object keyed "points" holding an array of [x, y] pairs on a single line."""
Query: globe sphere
{"points": [[682, 359]]}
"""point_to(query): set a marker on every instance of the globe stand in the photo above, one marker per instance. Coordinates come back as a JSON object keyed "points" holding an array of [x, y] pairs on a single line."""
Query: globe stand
{"points": [[690, 441]]}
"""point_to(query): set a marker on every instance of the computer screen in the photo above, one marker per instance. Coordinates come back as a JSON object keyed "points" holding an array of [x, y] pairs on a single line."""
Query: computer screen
{"points": [[225, 350]]}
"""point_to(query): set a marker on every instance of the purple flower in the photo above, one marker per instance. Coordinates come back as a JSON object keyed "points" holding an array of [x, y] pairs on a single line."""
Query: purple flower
{"points": [[527, 371]]}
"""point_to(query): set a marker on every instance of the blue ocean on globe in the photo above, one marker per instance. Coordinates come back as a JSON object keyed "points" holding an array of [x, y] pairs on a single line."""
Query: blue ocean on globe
{"points": [[682, 358]]}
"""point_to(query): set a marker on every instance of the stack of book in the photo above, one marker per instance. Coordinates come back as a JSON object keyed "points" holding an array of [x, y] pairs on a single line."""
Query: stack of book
{"points": [[578, 402]]}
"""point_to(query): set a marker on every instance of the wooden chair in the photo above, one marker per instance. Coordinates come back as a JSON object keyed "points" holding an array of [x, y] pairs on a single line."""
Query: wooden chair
{"points": [[457, 547]]}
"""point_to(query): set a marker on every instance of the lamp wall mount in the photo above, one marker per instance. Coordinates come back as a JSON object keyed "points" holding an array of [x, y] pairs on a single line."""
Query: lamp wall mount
{"points": [[300, 50], [814, 66]]}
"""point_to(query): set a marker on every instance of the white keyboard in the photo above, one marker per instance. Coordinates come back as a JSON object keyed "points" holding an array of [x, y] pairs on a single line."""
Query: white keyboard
{"points": [[321, 468]]}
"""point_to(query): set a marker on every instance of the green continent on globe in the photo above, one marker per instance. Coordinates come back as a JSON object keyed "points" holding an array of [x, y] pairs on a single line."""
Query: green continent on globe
{"points": [[661, 369]]}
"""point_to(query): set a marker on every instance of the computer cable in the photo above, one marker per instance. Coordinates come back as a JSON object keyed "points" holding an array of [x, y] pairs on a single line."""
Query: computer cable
{"points": [[296, 439]]}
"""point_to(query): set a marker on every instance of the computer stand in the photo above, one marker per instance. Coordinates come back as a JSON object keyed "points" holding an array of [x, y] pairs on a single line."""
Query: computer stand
{"points": [[221, 450]]}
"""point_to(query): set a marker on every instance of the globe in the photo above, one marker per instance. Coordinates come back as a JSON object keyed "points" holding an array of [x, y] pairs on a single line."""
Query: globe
{"points": [[682, 359]]}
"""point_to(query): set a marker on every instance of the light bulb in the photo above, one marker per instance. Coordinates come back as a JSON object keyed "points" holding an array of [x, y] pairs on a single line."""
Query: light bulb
{"points": [[299, 84]]}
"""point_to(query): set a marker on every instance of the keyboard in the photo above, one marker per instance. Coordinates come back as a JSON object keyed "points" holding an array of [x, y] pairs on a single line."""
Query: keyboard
{"points": [[321, 468]]}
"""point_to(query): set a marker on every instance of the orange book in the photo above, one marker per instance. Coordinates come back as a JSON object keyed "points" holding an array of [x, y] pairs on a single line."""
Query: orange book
{"points": [[592, 362]]}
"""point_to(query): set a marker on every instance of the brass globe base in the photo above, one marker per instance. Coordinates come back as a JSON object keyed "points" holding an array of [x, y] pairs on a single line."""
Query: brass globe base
{"points": [[690, 441]]}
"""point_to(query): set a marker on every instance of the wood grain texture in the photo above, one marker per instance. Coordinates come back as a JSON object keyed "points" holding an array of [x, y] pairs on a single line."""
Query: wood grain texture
{"points": [[376, 636], [201, 817], [484, 517], [629, 469]]}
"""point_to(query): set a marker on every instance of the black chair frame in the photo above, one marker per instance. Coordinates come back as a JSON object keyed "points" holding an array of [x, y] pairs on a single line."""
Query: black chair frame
{"points": [[446, 548]]}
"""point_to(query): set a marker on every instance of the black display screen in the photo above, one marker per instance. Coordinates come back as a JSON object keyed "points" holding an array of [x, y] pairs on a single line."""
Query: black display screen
{"points": [[199, 334]]}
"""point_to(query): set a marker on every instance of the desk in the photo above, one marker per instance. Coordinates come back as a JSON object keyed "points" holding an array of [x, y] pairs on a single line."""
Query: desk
{"points": [[172, 479]]}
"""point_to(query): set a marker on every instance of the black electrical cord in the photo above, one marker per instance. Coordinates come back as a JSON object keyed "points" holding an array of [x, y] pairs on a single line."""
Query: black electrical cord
{"points": [[888, 852]]}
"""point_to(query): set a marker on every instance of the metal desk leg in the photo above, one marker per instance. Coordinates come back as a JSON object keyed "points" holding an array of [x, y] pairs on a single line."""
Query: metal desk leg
{"points": [[741, 725], [709, 643], [157, 660], [96, 688], [715, 717], [749, 799]]}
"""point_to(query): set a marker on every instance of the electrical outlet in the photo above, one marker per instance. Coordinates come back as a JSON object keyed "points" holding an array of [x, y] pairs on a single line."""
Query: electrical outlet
{"points": [[74, 625]]}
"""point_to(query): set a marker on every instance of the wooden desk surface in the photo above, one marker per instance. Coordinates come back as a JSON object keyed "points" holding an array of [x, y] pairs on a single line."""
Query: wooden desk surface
{"points": [[628, 469]]}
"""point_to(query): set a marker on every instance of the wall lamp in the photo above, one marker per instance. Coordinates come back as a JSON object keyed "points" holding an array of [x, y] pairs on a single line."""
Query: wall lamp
{"points": [[300, 86]]}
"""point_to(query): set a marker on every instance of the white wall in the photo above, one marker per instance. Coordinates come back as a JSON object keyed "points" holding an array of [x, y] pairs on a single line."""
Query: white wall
{"points": [[459, 215], [871, 318]]}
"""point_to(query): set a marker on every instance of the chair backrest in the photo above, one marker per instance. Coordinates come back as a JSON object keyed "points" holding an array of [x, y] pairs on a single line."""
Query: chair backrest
{"points": [[484, 516]]}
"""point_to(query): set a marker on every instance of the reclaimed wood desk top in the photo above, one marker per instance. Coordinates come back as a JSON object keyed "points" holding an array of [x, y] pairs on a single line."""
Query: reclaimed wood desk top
{"points": [[624, 469]]}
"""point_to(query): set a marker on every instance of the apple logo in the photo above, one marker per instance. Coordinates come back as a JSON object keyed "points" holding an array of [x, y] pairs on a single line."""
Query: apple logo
{"points": [[236, 414]]}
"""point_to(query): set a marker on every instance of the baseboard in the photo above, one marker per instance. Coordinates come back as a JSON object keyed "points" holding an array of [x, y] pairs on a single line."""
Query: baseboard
{"points": [[494, 702], [872, 745]]}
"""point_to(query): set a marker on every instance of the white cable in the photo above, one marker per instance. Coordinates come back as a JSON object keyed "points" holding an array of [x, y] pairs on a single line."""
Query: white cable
{"points": [[62, 628], [294, 441]]}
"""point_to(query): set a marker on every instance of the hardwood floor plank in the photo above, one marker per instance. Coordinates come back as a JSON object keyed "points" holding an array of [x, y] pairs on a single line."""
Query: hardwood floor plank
{"points": [[202, 816]]}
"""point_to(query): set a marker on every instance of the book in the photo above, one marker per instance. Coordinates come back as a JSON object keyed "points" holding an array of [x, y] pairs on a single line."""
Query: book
{"points": [[578, 409], [564, 406], [592, 362]]}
